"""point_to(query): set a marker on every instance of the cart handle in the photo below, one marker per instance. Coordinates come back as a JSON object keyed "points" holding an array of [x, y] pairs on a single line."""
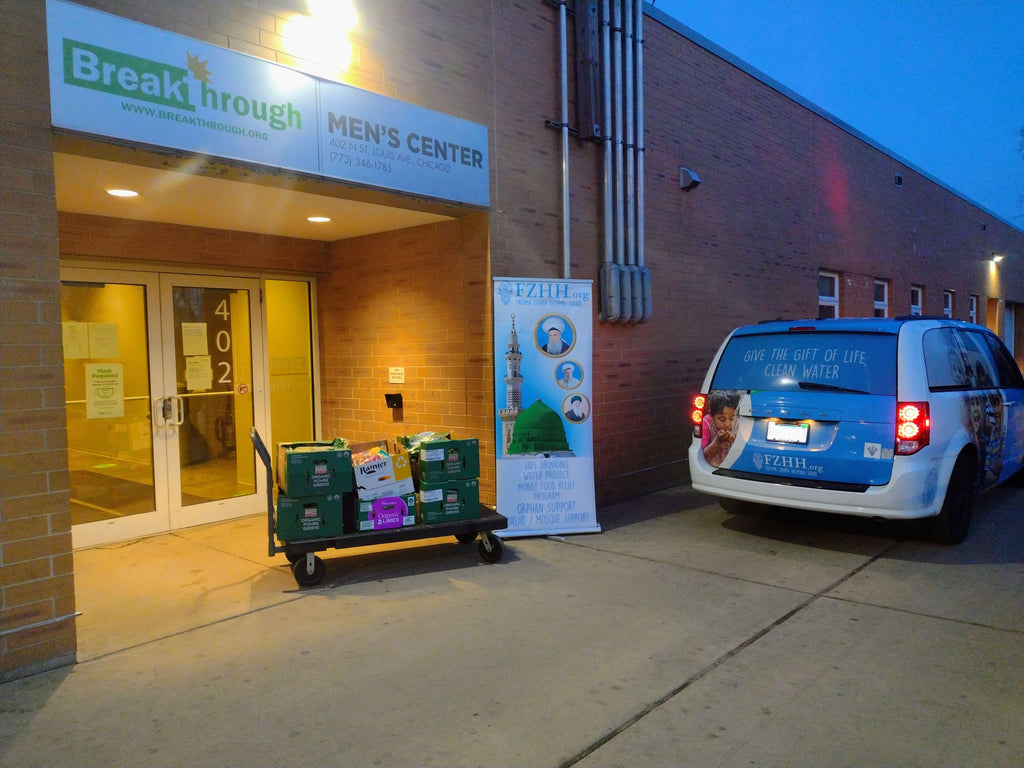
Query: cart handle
{"points": [[261, 449]]}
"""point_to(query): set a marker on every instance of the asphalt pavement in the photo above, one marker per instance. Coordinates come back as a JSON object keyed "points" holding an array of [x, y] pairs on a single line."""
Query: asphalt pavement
{"points": [[681, 635]]}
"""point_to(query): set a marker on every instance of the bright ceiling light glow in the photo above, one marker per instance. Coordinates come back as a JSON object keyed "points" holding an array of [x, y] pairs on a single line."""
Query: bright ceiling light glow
{"points": [[323, 35], [122, 192], [318, 219]]}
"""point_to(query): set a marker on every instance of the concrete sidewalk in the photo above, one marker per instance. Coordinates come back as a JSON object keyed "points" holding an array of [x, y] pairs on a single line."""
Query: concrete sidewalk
{"points": [[682, 635]]}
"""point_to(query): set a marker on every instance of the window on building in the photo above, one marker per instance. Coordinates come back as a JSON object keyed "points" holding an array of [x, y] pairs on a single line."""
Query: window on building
{"points": [[916, 299], [947, 303], [881, 298], [828, 295], [972, 313]]}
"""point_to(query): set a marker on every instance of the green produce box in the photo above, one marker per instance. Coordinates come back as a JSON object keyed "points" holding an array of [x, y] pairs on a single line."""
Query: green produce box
{"points": [[386, 512], [308, 517], [305, 469], [450, 500], [455, 459]]}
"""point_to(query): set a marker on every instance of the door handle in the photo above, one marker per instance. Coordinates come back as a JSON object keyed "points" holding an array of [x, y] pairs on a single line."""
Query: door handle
{"points": [[161, 411], [178, 410], [168, 411]]}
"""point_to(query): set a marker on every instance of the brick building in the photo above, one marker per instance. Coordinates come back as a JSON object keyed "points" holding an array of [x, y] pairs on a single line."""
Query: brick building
{"points": [[795, 214]]}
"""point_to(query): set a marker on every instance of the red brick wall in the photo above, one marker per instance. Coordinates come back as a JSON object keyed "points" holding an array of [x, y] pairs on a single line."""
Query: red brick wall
{"points": [[785, 193]]}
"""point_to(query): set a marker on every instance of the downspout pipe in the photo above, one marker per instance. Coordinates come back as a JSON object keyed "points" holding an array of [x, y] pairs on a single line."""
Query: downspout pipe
{"points": [[566, 262]]}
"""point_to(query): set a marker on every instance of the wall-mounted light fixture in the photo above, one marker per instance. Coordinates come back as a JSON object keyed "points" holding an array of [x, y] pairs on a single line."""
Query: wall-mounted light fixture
{"points": [[688, 179], [323, 36], [996, 258], [898, 180]]}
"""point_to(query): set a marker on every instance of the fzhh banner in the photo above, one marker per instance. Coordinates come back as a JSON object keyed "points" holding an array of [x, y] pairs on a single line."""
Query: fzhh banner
{"points": [[544, 406]]}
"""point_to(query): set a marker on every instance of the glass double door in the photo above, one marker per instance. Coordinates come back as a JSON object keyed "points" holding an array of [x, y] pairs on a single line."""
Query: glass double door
{"points": [[163, 382]]}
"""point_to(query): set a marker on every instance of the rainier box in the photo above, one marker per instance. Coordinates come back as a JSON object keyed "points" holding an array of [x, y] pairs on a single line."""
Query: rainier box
{"points": [[385, 474], [305, 469], [454, 459], [450, 500], [309, 517], [386, 512]]}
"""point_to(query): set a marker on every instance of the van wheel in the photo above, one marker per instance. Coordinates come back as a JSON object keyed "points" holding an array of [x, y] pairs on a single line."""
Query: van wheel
{"points": [[953, 522]]}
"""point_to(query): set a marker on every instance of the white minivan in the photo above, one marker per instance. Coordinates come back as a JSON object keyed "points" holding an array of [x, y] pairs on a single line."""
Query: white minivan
{"points": [[895, 418]]}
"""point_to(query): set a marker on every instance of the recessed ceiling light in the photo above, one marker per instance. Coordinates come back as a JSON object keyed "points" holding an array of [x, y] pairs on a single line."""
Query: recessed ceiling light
{"points": [[122, 192], [318, 219]]}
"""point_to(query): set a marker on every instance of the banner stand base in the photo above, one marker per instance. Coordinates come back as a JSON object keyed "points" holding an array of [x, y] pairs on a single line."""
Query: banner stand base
{"points": [[506, 534]]}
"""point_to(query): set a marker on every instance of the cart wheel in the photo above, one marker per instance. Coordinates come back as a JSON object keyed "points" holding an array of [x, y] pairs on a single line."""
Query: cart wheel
{"points": [[491, 548], [305, 579], [465, 538], [294, 558]]}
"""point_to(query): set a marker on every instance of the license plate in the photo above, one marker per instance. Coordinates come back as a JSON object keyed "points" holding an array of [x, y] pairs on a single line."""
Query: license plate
{"points": [[788, 433]]}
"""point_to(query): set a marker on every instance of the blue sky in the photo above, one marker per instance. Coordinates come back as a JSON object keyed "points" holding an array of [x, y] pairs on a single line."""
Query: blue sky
{"points": [[939, 83]]}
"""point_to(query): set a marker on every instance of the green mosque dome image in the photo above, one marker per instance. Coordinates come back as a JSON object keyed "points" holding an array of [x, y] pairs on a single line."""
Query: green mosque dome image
{"points": [[538, 429]]}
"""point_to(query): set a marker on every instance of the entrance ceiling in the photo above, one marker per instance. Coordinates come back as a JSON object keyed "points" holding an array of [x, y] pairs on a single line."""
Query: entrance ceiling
{"points": [[265, 202]]}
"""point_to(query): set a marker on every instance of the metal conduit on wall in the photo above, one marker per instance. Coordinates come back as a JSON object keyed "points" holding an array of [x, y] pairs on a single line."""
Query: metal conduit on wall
{"points": [[564, 117], [609, 277], [612, 113], [625, 282], [643, 273]]}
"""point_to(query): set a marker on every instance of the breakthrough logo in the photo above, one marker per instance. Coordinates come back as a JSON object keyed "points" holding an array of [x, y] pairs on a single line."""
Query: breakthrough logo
{"points": [[122, 74], [139, 79]]}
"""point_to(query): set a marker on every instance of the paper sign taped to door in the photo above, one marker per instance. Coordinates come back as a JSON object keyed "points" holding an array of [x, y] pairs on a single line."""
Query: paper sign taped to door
{"points": [[198, 373], [193, 339], [104, 387]]}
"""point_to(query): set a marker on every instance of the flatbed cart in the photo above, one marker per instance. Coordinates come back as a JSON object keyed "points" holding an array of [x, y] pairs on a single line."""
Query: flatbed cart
{"points": [[309, 570]]}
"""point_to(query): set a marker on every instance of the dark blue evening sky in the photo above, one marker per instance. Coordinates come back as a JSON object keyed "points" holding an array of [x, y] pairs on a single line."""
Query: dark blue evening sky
{"points": [[938, 83]]}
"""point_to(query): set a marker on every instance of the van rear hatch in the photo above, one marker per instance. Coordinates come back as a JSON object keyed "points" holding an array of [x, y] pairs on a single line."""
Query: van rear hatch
{"points": [[812, 407]]}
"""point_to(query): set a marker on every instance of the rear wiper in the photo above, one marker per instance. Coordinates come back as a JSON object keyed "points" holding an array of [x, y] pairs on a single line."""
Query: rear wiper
{"points": [[830, 387]]}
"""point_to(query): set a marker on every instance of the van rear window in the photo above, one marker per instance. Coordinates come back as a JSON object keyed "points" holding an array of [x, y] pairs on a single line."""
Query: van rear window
{"points": [[859, 362]]}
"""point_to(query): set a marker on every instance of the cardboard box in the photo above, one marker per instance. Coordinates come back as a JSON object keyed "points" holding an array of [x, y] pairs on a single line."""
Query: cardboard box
{"points": [[390, 474], [386, 512], [450, 500], [306, 469], [454, 459], [308, 517]]}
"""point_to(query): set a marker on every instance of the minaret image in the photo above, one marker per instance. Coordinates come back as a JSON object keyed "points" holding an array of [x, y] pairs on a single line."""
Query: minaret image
{"points": [[513, 389]]}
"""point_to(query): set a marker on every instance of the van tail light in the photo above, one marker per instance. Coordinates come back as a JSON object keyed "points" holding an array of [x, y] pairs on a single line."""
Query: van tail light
{"points": [[698, 403], [913, 427]]}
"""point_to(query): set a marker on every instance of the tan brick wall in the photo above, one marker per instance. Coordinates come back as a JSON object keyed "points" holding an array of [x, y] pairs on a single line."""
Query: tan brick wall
{"points": [[417, 299], [124, 240], [36, 584], [429, 285]]}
